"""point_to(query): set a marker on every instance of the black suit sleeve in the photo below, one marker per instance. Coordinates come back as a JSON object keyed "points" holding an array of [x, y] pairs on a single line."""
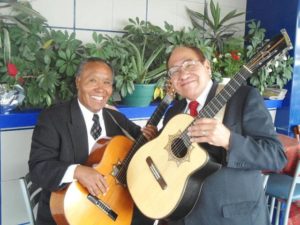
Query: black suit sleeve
{"points": [[47, 165], [253, 142]]}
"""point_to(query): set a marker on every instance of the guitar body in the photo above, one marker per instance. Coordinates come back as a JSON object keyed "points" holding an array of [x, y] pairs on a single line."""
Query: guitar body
{"points": [[78, 210], [166, 197]]}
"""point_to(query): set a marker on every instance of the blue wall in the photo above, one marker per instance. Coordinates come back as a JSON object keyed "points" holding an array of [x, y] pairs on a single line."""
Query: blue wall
{"points": [[275, 15]]}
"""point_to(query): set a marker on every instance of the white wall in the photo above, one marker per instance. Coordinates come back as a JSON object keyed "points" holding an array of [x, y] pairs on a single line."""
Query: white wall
{"points": [[110, 16]]}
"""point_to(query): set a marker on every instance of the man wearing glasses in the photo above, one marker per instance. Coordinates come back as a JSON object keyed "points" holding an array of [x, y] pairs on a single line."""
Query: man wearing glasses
{"points": [[244, 143]]}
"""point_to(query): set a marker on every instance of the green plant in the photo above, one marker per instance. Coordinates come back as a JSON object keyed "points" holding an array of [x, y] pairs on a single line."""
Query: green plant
{"points": [[275, 74], [10, 11], [213, 27], [137, 68], [138, 57], [187, 37], [46, 62]]}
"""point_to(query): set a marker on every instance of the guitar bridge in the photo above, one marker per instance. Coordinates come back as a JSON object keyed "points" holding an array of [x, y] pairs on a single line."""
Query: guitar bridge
{"points": [[155, 172], [104, 207]]}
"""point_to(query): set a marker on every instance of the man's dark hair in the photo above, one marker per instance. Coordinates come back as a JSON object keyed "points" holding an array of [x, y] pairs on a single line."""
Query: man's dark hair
{"points": [[92, 59], [198, 52]]}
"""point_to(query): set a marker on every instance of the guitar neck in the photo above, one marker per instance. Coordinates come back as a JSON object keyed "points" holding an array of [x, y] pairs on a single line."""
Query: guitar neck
{"points": [[219, 101], [276, 46]]}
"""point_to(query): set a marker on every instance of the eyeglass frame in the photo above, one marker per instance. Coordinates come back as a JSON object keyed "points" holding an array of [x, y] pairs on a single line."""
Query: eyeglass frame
{"points": [[183, 66]]}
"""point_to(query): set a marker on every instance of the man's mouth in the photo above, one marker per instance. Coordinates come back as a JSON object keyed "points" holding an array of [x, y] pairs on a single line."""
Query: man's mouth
{"points": [[186, 82], [97, 98]]}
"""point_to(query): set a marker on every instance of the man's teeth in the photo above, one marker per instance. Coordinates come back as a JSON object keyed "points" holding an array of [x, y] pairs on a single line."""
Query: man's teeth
{"points": [[98, 98]]}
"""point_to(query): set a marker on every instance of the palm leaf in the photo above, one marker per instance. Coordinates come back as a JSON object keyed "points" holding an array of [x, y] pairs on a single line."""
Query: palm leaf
{"points": [[24, 8], [6, 45], [231, 15], [153, 57]]}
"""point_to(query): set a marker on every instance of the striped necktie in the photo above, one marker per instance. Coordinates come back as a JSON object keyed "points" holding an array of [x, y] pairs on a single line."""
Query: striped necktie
{"points": [[96, 128]]}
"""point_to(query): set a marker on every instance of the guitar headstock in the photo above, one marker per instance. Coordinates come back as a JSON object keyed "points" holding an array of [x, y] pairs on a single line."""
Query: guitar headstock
{"points": [[278, 45], [170, 91]]}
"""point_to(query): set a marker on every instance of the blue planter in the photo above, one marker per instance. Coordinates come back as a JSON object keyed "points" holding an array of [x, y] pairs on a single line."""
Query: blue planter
{"points": [[141, 96]]}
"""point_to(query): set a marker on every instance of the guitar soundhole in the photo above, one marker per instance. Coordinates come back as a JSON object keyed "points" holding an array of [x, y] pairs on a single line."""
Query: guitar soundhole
{"points": [[178, 148]]}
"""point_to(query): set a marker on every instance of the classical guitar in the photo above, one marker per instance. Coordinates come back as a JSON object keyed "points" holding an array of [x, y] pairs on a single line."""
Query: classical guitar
{"points": [[75, 206], [172, 167]]}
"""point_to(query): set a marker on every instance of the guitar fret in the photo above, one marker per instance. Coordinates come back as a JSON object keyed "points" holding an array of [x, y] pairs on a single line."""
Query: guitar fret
{"points": [[227, 94], [218, 104], [218, 100], [236, 82]]}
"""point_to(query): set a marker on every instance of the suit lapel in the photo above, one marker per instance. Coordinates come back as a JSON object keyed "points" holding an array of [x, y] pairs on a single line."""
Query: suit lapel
{"points": [[78, 133], [180, 107]]}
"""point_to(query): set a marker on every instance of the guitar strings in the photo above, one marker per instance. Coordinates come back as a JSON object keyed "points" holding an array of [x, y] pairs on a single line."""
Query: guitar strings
{"points": [[211, 109], [215, 105]]}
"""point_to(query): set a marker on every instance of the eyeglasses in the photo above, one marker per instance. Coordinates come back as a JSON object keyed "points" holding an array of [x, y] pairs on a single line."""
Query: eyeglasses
{"points": [[189, 65]]}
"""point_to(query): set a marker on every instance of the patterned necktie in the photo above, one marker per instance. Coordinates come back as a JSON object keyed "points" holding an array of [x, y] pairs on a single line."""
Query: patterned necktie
{"points": [[96, 128], [193, 105]]}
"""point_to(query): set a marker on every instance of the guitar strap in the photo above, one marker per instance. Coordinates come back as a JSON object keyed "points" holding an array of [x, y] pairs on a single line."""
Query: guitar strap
{"points": [[122, 129]]}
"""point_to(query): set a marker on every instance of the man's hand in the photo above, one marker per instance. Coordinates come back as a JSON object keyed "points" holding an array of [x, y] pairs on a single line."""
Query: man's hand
{"points": [[211, 131], [150, 132], [94, 182]]}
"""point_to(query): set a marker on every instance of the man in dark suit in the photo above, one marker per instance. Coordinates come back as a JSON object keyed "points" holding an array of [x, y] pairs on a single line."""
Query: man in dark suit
{"points": [[62, 141], [243, 143]]}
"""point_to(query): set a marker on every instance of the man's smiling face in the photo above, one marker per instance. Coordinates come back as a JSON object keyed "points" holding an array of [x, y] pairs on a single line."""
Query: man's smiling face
{"points": [[94, 85]]}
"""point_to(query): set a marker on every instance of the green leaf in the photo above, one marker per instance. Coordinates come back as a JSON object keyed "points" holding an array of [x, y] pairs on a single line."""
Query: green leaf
{"points": [[7, 46], [47, 59], [60, 62], [62, 54]]}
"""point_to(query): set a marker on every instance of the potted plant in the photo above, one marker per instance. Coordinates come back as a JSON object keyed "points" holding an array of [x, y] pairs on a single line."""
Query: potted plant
{"points": [[232, 51], [219, 30], [46, 62], [137, 80], [138, 58], [275, 74], [13, 15]]}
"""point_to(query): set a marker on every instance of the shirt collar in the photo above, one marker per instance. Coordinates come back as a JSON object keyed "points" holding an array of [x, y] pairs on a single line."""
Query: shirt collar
{"points": [[202, 98], [86, 112]]}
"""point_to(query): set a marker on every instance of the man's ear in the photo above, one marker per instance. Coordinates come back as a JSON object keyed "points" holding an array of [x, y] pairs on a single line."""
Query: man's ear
{"points": [[207, 66], [77, 81]]}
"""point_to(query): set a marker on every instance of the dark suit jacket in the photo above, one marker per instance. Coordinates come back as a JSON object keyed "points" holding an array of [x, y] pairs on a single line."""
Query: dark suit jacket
{"points": [[234, 194], [59, 140]]}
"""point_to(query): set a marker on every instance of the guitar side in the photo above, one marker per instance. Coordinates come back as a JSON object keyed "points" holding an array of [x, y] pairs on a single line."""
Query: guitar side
{"points": [[162, 196]]}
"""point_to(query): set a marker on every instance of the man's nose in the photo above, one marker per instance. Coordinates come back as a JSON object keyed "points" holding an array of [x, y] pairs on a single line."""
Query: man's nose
{"points": [[100, 85], [183, 73]]}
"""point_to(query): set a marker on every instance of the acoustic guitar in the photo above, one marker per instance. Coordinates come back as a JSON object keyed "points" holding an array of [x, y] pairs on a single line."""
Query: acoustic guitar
{"points": [[75, 206], [165, 176]]}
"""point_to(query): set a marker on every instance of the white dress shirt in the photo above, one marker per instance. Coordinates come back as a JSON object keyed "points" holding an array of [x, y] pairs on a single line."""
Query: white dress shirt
{"points": [[88, 119], [201, 99]]}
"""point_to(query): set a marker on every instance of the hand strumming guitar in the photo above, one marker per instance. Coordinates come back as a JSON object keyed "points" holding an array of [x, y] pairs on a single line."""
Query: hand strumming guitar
{"points": [[93, 181]]}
